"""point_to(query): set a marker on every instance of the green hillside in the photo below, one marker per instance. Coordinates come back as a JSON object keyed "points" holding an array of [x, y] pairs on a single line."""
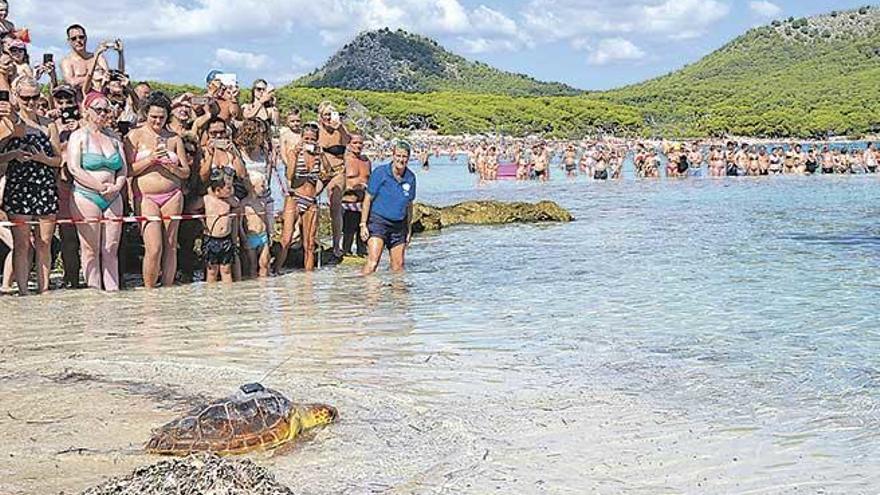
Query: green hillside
{"points": [[810, 77], [398, 61], [806, 77]]}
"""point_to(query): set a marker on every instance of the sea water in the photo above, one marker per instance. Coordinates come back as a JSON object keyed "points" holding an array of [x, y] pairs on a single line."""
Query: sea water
{"points": [[681, 336]]}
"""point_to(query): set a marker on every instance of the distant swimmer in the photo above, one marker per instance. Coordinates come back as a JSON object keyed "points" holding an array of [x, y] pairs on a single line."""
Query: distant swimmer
{"points": [[541, 162], [425, 159]]}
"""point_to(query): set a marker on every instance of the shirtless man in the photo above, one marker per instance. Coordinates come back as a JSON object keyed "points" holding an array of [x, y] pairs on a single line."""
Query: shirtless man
{"points": [[541, 161], [75, 65], [695, 160], [357, 175]]}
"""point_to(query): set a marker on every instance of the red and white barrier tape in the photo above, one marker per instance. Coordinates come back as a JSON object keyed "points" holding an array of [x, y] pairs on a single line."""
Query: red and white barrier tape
{"points": [[132, 219]]}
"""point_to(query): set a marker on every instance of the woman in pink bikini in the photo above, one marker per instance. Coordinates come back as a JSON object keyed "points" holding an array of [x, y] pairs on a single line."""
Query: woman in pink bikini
{"points": [[159, 168]]}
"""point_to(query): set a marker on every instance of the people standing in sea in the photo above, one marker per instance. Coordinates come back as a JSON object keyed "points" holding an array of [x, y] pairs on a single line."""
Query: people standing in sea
{"points": [[357, 175], [387, 213], [289, 141], [333, 141], [305, 187], [159, 169], [569, 161], [541, 162], [31, 193], [96, 161], [219, 246]]}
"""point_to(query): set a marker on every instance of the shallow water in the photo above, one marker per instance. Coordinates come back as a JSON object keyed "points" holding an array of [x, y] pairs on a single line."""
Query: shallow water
{"points": [[695, 336]]}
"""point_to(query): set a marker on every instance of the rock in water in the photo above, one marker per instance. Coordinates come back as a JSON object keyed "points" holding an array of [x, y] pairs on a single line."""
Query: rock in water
{"points": [[196, 475], [427, 218]]}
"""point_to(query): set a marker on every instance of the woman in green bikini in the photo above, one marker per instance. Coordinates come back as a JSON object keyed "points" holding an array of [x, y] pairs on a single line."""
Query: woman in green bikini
{"points": [[96, 161]]}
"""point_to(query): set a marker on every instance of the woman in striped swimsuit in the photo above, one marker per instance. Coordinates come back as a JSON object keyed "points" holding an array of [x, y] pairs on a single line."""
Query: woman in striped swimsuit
{"points": [[305, 186]]}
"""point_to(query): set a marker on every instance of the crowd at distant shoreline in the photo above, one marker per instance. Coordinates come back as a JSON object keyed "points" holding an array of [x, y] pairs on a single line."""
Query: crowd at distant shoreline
{"points": [[604, 159]]}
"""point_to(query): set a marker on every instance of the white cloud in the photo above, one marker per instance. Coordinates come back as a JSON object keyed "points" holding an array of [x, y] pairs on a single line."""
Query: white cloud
{"points": [[151, 68], [764, 8], [225, 57], [336, 21], [577, 19], [614, 50]]}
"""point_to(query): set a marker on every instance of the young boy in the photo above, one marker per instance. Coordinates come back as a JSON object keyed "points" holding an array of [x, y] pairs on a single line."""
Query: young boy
{"points": [[219, 244], [257, 226]]}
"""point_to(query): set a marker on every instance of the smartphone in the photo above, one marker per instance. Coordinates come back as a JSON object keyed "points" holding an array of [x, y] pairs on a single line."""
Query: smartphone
{"points": [[124, 126], [48, 58], [310, 148], [4, 96], [200, 101], [334, 116]]}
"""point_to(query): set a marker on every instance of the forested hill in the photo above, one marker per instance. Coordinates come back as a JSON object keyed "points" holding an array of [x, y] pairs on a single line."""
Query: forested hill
{"points": [[386, 60], [798, 77]]}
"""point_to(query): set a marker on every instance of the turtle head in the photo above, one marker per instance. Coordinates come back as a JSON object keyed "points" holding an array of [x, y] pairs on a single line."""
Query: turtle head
{"points": [[315, 415]]}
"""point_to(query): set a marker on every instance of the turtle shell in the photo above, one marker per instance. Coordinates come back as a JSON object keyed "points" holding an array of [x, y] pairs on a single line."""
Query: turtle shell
{"points": [[255, 418]]}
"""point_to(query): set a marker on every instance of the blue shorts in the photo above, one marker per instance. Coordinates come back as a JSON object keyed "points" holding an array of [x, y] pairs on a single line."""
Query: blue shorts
{"points": [[393, 233], [257, 241]]}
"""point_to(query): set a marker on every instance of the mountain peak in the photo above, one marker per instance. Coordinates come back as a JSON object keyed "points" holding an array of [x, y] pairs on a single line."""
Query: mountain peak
{"points": [[388, 60]]}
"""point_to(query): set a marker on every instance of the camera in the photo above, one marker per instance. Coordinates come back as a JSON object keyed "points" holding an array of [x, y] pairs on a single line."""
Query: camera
{"points": [[70, 114], [117, 76]]}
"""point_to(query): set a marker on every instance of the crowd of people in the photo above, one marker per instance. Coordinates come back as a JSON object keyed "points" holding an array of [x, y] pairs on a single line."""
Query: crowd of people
{"points": [[605, 159], [87, 152]]}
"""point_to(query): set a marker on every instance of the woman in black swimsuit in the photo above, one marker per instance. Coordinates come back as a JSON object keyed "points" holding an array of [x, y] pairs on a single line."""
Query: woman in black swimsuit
{"points": [[31, 191]]}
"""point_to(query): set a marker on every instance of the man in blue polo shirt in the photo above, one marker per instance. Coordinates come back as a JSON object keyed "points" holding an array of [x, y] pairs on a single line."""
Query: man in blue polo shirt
{"points": [[387, 210]]}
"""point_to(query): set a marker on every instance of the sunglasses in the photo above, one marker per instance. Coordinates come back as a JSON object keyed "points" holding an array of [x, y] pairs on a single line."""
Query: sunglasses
{"points": [[29, 98], [217, 134], [103, 110], [17, 50], [259, 88], [77, 38]]}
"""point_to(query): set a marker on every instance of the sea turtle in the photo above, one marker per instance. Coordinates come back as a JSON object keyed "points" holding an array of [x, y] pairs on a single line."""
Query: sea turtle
{"points": [[255, 418]]}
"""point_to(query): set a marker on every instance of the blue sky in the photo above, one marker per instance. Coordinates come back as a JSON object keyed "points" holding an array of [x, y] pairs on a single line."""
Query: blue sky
{"points": [[590, 44]]}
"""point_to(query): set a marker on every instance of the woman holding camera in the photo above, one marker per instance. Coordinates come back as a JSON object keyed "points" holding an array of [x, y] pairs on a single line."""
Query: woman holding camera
{"points": [[302, 200], [333, 139], [96, 160], [31, 194], [262, 105], [159, 167]]}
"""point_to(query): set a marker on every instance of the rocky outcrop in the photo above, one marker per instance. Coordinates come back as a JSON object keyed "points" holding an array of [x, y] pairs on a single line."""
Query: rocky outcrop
{"points": [[428, 218]]}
